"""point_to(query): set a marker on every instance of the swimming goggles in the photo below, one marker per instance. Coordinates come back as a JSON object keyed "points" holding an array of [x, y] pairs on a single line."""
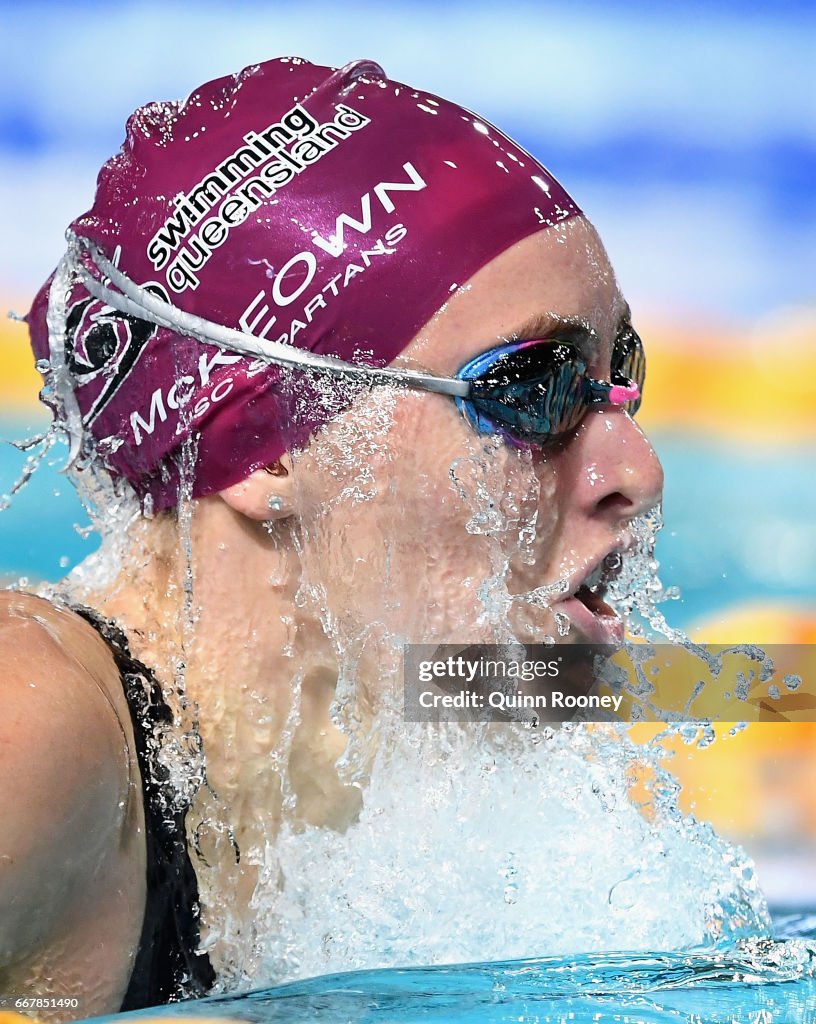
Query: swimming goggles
{"points": [[533, 392]]}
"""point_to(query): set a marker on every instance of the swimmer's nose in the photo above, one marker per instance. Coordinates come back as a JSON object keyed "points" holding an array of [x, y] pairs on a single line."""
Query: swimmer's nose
{"points": [[616, 470]]}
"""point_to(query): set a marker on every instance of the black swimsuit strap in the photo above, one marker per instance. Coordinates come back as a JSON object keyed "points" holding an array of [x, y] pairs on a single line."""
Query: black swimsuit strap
{"points": [[167, 966]]}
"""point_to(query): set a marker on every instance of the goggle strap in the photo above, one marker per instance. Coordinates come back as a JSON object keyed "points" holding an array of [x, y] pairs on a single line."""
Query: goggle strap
{"points": [[135, 300]]}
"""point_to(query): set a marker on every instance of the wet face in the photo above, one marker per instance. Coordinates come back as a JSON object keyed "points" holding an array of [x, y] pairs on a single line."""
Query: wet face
{"points": [[414, 522]]}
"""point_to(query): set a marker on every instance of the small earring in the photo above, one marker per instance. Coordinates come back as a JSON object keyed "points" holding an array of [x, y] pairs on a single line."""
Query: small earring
{"points": [[275, 503]]}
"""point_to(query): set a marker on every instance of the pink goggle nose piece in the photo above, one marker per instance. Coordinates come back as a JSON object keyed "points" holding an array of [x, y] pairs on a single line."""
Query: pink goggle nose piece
{"points": [[620, 394]]}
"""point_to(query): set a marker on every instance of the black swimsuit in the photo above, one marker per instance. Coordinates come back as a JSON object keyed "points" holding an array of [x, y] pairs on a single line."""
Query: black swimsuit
{"points": [[167, 966]]}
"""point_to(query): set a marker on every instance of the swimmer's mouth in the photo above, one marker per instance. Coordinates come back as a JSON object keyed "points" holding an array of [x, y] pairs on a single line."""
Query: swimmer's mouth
{"points": [[592, 591]]}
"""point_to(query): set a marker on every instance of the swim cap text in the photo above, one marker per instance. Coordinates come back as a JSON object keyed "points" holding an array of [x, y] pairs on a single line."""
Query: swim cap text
{"points": [[248, 177]]}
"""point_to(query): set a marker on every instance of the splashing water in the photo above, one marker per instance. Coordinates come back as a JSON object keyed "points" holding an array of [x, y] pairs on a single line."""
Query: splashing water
{"points": [[637, 591], [113, 509], [477, 845], [481, 841]]}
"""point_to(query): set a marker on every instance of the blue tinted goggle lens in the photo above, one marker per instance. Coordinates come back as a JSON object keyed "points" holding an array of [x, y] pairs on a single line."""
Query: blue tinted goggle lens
{"points": [[539, 391]]}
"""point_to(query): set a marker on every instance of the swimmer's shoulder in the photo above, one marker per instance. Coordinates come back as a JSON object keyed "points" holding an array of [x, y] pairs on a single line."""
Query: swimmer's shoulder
{"points": [[38, 637], [70, 799], [61, 641], [59, 679], [55, 631]]}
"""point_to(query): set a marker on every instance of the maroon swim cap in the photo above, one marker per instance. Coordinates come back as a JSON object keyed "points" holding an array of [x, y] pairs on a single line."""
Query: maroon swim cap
{"points": [[334, 211]]}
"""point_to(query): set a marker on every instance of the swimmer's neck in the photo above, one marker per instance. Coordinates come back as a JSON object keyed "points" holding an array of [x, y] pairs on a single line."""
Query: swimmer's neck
{"points": [[243, 639], [221, 580]]}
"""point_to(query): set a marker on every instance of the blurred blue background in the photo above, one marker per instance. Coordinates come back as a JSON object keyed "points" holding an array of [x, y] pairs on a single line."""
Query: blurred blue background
{"points": [[686, 130]]}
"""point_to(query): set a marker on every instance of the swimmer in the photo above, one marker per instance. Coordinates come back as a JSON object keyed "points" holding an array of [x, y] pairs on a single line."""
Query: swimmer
{"points": [[313, 320]]}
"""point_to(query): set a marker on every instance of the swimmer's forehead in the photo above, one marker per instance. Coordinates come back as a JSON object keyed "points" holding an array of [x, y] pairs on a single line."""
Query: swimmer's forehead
{"points": [[579, 330]]}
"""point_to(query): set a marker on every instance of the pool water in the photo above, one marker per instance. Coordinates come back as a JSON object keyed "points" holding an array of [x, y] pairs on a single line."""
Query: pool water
{"points": [[751, 984]]}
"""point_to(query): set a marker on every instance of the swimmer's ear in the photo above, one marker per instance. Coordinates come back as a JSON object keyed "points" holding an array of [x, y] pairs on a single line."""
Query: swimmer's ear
{"points": [[265, 494]]}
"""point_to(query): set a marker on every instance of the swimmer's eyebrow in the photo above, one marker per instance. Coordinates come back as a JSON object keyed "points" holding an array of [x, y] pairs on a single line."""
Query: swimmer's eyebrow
{"points": [[551, 325], [568, 328]]}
